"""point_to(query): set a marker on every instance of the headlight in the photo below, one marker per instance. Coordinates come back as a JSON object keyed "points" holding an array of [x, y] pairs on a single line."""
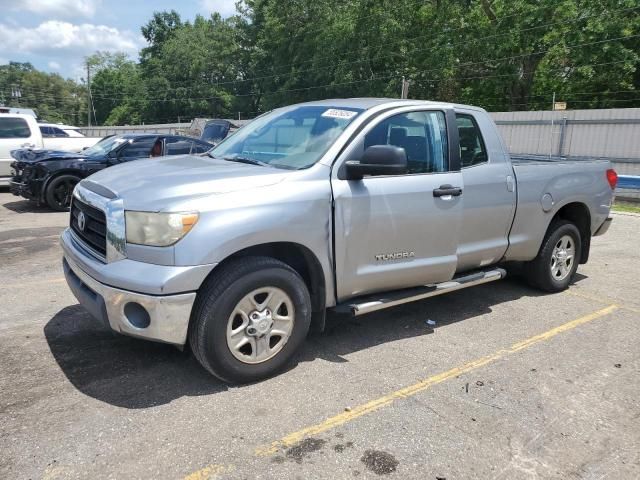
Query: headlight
{"points": [[158, 229]]}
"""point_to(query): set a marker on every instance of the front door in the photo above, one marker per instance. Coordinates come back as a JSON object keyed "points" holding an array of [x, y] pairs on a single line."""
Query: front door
{"points": [[394, 232]]}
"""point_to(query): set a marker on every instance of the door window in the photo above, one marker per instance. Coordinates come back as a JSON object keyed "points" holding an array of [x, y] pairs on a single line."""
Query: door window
{"points": [[14, 128], [423, 136], [178, 146], [139, 148], [472, 149]]}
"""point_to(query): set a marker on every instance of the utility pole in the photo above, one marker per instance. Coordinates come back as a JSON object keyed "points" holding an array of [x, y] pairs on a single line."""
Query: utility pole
{"points": [[88, 95], [553, 109], [16, 93], [404, 92]]}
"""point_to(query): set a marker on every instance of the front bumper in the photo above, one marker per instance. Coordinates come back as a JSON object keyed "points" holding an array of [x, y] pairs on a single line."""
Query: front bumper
{"points": [[163, 318], [134, 298], [24, 189]]}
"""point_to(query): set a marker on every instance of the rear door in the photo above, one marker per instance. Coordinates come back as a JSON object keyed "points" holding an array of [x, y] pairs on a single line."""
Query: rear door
{"points": [[14, 133], [489, 192], [392, 232]]}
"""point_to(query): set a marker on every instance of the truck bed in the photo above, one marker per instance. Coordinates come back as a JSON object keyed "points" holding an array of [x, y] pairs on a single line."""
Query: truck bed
{"points": [[524, 159], [545, 184]]}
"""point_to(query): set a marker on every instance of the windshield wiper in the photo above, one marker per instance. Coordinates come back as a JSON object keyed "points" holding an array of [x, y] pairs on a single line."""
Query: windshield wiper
{"points": [[249, 161]]}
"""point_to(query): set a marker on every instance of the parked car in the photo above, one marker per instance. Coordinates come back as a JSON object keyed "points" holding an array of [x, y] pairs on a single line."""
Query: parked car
{"points": [[49, 176], [216, 130], [58, 130], [23, 131], [355, 205], [25, 111]]}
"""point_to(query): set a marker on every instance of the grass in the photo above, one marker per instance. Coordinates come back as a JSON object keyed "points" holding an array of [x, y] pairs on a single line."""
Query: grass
{"points": [[626, 207]]}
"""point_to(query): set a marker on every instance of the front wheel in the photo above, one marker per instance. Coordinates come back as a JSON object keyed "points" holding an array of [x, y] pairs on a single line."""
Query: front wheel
{"points": [[59, 191], [249, 319], [558, 258]]}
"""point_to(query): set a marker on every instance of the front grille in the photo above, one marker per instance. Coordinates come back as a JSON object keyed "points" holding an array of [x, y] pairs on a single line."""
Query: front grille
{"points": [[95, 227]]}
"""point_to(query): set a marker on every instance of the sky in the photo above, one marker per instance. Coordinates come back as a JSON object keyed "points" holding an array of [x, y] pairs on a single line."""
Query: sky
{"points": [[56, 35]]}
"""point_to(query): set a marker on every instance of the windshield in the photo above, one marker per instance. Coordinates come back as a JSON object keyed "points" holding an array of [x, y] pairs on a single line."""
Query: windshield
{"points": [[104, 146], [214, 132], [292, 138]]}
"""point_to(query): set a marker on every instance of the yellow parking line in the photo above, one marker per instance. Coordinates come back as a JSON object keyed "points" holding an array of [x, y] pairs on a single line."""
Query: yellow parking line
{"points": [[378, 403]]}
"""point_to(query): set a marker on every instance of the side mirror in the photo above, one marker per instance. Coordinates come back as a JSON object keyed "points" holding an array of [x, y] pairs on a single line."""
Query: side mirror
{"points": [[378, 160]]}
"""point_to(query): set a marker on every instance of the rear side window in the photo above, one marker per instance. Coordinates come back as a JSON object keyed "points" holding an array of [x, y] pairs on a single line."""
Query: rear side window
{"points": [[472, 148], [58, 132], [423, 135], [49, 132], [14, 128]]}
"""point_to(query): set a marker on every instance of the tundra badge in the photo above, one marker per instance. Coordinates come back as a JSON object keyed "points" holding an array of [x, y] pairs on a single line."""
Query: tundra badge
{"points": [[395, 256]]}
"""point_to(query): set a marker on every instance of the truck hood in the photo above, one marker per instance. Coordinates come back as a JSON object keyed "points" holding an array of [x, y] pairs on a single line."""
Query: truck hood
{"points": [[27, 155], [169, 183]]}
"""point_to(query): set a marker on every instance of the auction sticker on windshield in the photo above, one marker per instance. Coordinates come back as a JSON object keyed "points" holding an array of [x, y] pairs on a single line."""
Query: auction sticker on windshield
{"points": [[336, 113]]}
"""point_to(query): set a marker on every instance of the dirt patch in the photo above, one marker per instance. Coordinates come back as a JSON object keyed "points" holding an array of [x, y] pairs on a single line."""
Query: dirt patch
{"points": [[380, 463], [305, 447], [341, 447]]}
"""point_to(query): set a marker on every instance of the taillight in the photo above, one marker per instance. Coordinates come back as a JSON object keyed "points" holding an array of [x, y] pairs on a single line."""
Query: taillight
{"points": [[612, 178]]}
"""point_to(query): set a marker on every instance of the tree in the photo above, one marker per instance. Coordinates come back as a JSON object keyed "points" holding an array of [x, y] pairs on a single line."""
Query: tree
{"points": [[117, 88], [51, 96]]}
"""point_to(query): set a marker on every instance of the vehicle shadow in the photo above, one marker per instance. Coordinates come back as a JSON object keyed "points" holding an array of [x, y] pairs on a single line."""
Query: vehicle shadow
{"points": [[132, 373], [123, 371], [26, 206], [346, 334]]}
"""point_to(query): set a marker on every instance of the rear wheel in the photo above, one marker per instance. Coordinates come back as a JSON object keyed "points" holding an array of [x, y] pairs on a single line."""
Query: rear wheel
{"points": [[59, 191], [249, 319], [558, 258]]}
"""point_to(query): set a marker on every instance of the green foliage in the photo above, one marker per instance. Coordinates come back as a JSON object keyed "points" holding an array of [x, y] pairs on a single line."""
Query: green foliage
{"points": [[54, 98], [499, 54]]}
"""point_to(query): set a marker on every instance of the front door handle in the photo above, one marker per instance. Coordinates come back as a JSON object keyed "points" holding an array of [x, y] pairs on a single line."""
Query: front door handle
{"points": [[447, 190]]}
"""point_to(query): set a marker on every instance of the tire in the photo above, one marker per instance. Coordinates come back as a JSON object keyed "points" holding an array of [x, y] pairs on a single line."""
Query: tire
{"points": [[59, 191], [545, 274], [224, 312]]}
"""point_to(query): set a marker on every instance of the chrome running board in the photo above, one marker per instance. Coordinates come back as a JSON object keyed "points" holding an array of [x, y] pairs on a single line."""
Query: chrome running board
{"points": [[375, 302]]}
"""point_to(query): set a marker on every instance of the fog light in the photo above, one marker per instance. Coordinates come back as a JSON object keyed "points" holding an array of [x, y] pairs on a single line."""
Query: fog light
{"points": [[137, 315]]}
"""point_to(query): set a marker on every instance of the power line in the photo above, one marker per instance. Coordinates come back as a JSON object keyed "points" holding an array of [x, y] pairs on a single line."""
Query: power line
{"points": [[503, 59], [387, 44], [414, 50]]}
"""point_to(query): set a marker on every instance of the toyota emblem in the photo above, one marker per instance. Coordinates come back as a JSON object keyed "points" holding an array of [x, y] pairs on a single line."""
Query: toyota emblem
{"points": [[82, 221]]}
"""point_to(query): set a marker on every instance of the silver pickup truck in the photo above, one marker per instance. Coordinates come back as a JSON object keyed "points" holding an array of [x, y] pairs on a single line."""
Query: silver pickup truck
{"points": [[356, 205]]}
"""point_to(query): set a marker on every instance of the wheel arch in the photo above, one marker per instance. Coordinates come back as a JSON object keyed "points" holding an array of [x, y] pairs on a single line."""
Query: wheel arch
{"points": [[55, 174], [577, 213], [303, 261]]}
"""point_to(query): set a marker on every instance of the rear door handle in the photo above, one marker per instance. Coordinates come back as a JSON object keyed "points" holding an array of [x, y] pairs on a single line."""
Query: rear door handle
{"points": [[447, 190]]}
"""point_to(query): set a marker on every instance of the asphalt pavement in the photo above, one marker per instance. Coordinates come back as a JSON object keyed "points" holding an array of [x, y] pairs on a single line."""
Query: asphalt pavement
{"points": [[503, 383]]}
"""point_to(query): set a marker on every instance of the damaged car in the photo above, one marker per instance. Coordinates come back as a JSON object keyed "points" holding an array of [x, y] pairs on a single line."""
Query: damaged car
{"points": [[48, 177]]}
